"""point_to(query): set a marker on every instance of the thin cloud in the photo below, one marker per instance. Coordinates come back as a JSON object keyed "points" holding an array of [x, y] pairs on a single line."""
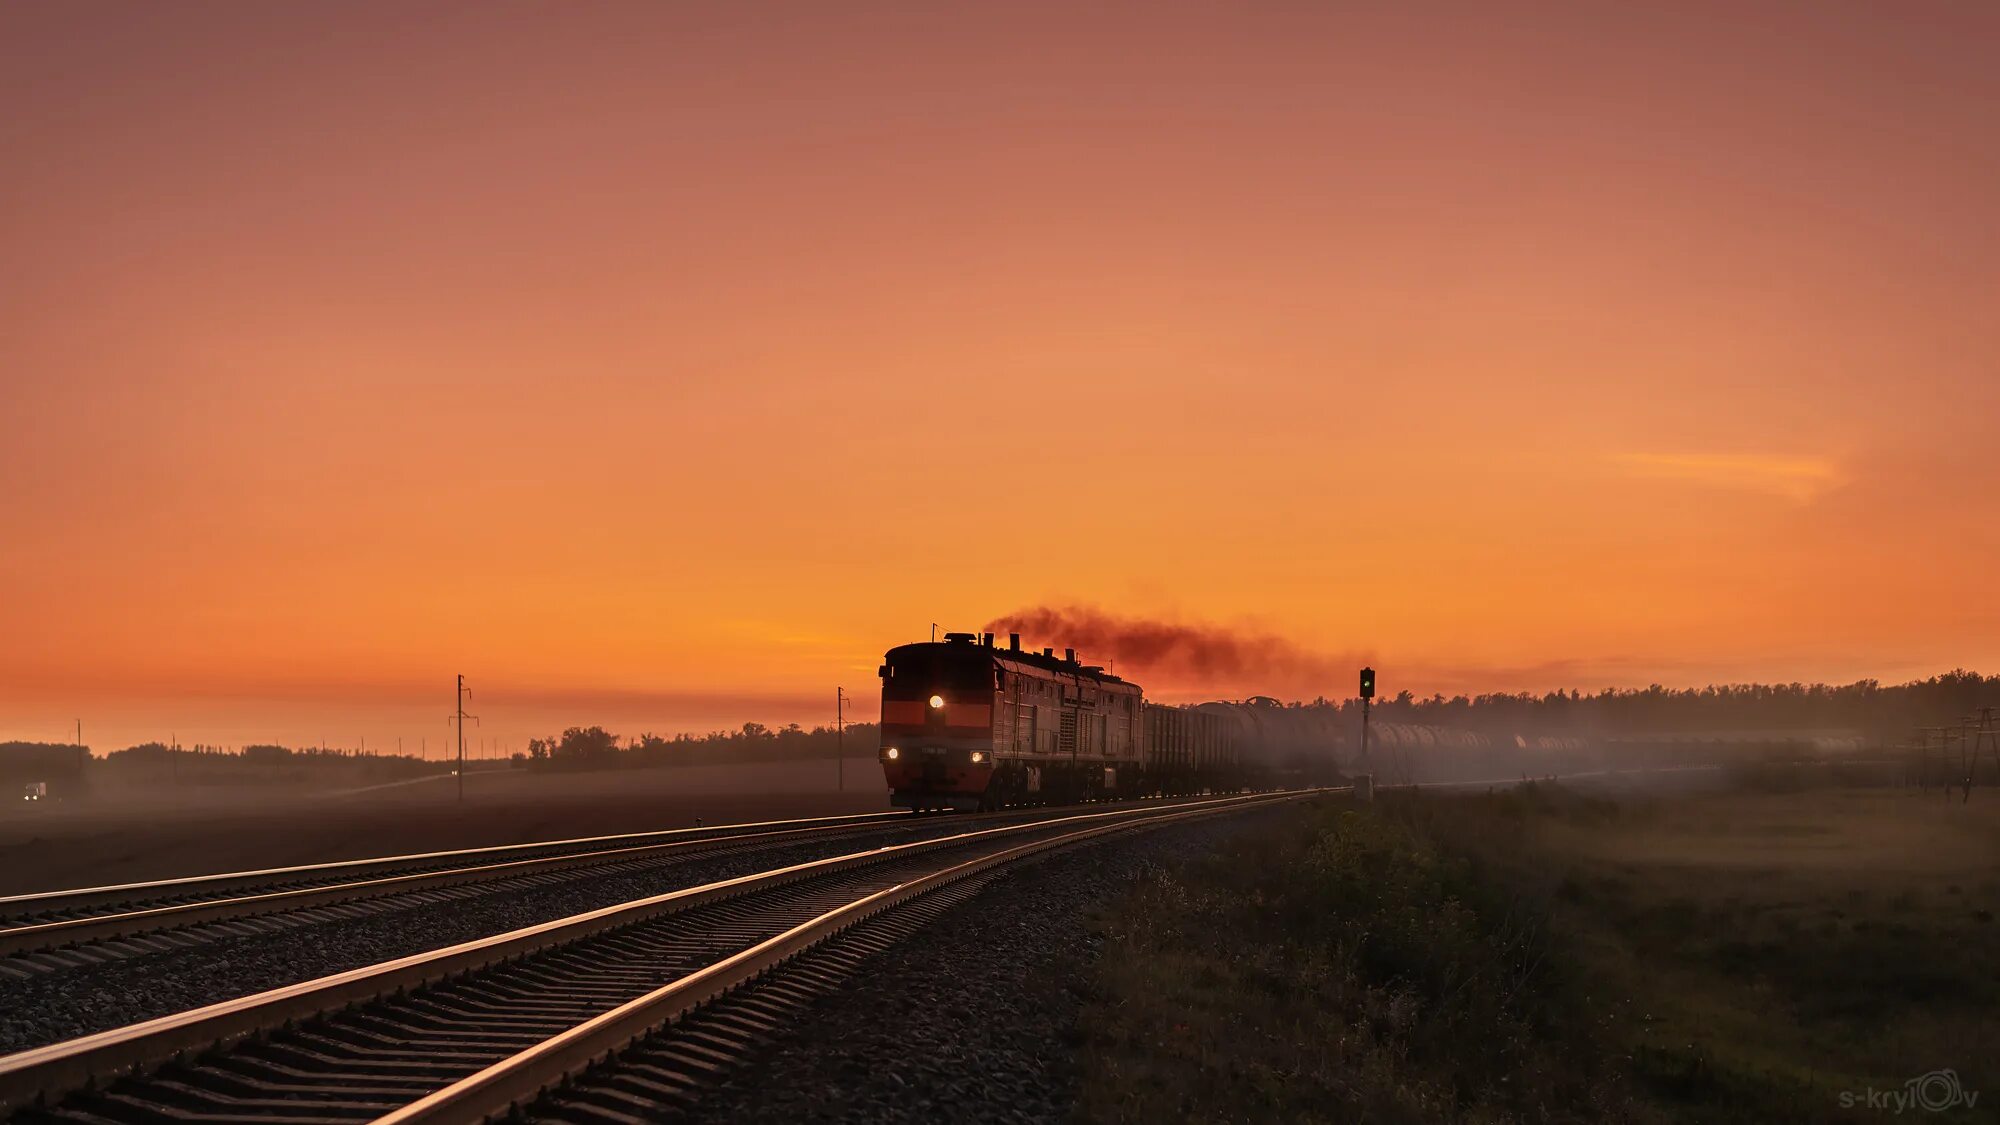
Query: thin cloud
{"points": [[1795, 478]]}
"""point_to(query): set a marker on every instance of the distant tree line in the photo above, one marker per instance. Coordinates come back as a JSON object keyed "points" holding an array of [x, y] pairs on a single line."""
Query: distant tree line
{"points": [[1884, 713], [69, 770], [61, 763], [264, 752], [595, 748]]}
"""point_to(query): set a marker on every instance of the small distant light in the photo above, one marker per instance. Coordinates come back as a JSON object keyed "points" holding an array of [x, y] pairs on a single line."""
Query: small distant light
{"points": [[890, 753], [978, 756], [937, 701]]}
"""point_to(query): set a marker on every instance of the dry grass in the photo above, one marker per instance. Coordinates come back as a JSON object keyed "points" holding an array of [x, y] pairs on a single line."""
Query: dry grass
{"points": [[1770, 951], [1535, 955], [1339, 967]]}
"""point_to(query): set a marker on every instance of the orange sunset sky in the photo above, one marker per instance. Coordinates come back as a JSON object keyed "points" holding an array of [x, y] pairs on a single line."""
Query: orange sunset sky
{"points": [[661, 364]]}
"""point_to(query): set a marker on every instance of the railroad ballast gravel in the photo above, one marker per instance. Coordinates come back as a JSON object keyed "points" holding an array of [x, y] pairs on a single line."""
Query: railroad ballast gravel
{"points": [[972, 1019], [62, 1005]]}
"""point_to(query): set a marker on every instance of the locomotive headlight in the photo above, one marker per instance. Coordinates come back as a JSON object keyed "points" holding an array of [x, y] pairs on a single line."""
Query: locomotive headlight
{"points": [[978, 756], [937, 702], [890, 753]]}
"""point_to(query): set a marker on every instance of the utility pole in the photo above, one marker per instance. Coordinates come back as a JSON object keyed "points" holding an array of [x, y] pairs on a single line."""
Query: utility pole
{"points": [[459, 716], [1968, 755], [1987, 736], [840, 737], [79, 732], [1964, 741], [1944, 754]]}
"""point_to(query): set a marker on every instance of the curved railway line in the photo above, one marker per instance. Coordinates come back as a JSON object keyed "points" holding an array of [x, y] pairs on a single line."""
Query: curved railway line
{"points": [[470, 1031], [62, 930], [49, 919]]}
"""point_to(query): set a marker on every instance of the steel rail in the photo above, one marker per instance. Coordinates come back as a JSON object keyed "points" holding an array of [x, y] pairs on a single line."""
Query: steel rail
{"points": [[496, 1090], [75, 898], [21, 938], [42, 1073], [39, 936]]}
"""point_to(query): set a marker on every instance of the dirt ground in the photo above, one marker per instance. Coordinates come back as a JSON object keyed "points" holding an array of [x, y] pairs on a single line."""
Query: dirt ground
{"points": [[187, 832]]}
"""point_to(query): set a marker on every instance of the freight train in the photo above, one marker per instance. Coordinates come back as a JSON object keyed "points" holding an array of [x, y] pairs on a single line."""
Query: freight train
{"points": [[968, 725]]}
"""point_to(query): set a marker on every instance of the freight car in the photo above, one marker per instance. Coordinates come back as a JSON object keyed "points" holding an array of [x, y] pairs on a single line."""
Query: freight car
{"points": [[968, 725]]}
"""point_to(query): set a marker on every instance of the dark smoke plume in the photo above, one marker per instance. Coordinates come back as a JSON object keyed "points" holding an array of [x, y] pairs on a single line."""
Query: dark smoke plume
{"points": [[1184, 656]]}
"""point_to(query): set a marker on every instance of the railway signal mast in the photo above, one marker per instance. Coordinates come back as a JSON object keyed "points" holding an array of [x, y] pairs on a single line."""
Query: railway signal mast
{"points": [[1367, 696]]}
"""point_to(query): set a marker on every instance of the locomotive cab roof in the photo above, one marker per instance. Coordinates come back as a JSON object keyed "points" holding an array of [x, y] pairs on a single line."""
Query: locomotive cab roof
{"points": [[967, 647]]}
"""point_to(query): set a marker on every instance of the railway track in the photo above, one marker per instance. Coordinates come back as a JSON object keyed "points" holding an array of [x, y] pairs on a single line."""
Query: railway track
{"points": [[54, 919], [468, 1031], [65, 930]]}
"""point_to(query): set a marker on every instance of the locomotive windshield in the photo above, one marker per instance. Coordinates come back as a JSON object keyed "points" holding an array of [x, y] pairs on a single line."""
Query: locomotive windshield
{"points": [[915, 675]]}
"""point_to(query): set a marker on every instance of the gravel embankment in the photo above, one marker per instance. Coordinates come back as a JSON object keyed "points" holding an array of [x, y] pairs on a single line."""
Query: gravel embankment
{"points": [[972, 1019], [63, 1005]]}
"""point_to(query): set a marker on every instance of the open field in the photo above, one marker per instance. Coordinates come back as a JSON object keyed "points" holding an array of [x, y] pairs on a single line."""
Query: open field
{"points": [[1748, 955], [185, 832], [1775, 950]]}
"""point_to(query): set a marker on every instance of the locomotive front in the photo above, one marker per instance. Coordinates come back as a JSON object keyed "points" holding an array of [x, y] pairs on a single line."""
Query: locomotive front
{"points": [[937, 723]]}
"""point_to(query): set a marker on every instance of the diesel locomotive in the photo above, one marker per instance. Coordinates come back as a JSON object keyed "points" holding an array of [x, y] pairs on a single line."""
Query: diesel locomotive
{"points": [[968, 725]]}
